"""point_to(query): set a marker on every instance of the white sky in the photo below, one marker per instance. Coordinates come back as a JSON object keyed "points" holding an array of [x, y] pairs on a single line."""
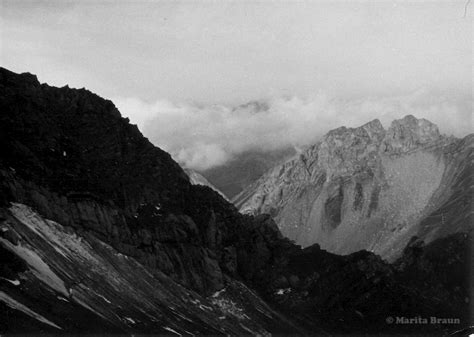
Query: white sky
{"points": [[150, 57]]}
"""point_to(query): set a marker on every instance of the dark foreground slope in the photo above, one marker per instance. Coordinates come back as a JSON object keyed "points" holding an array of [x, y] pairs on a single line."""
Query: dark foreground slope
{"points": [[100, 231]]}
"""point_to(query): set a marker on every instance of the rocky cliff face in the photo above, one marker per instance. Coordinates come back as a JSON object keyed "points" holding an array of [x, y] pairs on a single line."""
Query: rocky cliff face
{"points": [[370, 188], [72, 164], [100, 231], [54, 279], [70, 155]]}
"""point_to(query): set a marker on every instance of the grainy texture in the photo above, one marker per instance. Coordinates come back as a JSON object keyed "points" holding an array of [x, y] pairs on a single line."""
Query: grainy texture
{"points": [[369, 188], [103, 232]]}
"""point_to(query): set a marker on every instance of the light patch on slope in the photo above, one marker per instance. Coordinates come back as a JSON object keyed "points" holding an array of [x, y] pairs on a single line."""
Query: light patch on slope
{"points": [[103, 297], [71, 246], [171, 330], [229, 307], [51, 232], [218, 293], [39, 268], [18, 306], [283, 291], [14, 282]]}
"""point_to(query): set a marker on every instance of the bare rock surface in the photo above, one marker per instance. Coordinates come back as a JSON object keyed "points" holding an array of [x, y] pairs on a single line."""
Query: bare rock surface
{"points": [[369, 188]]}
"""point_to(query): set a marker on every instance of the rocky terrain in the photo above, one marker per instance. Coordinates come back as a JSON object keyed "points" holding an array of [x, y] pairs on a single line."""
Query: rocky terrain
{"points": [[246, 168], [102, 232], [196, 178], [370, 188]]}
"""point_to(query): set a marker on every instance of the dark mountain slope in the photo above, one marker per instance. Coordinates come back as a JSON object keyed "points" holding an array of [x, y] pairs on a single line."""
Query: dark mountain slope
{"points": [[91, 210]]}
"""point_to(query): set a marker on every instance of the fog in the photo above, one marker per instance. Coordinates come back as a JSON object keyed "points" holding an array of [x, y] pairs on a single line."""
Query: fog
{"points": [[179, 68], [201, 137]]}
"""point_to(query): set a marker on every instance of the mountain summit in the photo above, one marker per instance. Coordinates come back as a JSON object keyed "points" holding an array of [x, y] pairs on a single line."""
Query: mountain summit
{"points": [[370, 188]]}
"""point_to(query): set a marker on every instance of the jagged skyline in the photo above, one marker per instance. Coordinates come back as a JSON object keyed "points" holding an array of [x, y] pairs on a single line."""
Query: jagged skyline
{"points": [[318, 65]]}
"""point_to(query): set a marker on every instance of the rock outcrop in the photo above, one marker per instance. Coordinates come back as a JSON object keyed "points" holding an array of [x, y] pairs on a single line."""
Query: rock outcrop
{"points": [[370, 188], [101, 232]]}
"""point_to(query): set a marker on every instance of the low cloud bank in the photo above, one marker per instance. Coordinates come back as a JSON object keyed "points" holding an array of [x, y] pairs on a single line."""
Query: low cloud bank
{"points": [[200, 137]]}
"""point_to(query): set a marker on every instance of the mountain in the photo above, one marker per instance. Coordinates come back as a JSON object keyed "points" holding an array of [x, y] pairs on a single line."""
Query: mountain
{"points": [[102, 232], [246, 167], [370, 188], [240, 172], [197, 179]]}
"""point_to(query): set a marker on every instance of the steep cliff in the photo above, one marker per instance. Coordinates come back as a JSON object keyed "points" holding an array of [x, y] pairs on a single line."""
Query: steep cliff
{"points": [[70, 165], [100, 231], [370, 188]]}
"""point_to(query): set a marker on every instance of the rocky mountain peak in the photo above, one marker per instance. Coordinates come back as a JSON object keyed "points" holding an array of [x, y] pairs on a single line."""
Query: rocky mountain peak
{"points": [[343, 150], [410, 132], [374, 128], [372, 132], [362, 188], [349, 148]]}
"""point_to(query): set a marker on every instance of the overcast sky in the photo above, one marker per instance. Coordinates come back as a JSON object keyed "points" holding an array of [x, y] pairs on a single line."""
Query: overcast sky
{"points": [[178, 68]]}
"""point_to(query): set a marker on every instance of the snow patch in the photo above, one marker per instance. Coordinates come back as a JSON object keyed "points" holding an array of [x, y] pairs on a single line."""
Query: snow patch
{"points": [[14, 282], [283, 291], [171, 330], [18, 306], [128, 319], [39, 268], [218, 293], [70, 246], [103, 297], [229, 307], [205, 307], [196, 301]]}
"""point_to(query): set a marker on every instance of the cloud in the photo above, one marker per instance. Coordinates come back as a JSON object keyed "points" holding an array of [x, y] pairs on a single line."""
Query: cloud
{"points": [[203, 136], [234, 51]]}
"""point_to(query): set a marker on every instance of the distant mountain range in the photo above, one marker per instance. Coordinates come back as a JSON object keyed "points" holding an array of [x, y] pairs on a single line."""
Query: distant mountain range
{"points": [[370, 188], [244, 169]]}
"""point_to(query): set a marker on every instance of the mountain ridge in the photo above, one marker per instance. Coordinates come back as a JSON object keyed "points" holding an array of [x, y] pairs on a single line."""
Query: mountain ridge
{"points": [[80, 186], [337, 182]]}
